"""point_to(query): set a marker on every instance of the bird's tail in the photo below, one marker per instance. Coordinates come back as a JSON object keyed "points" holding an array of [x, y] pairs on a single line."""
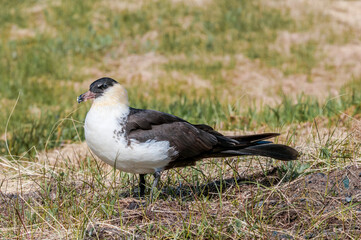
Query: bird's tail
{"points": [[255, 145], [276, 151]]}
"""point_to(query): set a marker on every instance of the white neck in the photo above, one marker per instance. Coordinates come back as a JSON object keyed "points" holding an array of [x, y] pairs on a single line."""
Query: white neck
{"points": [[114, 96]]}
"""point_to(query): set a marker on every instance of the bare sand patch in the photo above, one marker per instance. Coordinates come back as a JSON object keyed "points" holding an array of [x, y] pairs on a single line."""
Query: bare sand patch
{"points": [[72, 153], [266, 85], [14, 178], [340, 64], [144, 67], [42, 5], [21, 33], [17, 185], [122, 5], [286, 40], [343, 62], [194, 3], [190, 79], [346, 12], [132, 6], [127, 69], [7, 102], [38, 23], [254, 81], [298, 9]]}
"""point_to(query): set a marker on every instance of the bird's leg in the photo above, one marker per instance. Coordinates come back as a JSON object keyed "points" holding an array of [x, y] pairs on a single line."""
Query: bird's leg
{"points": [[141, 184], [155, 183]]}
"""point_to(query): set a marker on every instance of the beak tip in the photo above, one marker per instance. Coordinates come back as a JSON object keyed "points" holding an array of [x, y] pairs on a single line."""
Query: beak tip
{"points": [[85, 96], [79, 99]]}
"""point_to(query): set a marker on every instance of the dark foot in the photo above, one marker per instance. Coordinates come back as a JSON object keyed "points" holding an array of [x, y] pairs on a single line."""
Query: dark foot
{"points": [[141, 185], [155, 183]]}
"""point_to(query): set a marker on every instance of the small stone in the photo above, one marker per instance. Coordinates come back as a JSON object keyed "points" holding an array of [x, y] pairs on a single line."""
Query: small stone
{"points": [[321, 174]]}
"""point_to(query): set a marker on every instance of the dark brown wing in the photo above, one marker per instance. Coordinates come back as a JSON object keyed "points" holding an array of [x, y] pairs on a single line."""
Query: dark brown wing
{"points": [[189, 141], [193, 142], [144, 119]]}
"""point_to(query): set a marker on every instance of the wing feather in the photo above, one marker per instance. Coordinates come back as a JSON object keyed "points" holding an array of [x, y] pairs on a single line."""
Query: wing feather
{"points": [[186, 139]]}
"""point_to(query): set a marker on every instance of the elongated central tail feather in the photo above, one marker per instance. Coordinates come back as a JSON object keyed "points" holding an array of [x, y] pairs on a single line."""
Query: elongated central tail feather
{"points": [[255, 145], [276, 151]]}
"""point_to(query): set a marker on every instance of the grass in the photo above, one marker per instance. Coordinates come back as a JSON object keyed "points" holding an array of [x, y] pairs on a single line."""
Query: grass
{"points": [[45, 68], [50, 51]]}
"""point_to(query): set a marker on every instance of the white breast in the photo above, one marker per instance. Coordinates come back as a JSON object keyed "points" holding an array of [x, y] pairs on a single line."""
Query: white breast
{"points": [[106, 138]]}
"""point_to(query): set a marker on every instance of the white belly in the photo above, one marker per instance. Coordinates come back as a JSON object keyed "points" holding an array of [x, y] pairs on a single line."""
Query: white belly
{"points": [[106, 139]]}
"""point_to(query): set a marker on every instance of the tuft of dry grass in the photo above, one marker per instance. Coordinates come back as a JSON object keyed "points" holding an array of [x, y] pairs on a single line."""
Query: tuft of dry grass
{"points": [[239, 66], [68, 194]]}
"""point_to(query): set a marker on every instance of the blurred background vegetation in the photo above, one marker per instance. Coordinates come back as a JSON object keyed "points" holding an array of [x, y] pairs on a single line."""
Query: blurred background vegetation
{"points": [[189, 58]]}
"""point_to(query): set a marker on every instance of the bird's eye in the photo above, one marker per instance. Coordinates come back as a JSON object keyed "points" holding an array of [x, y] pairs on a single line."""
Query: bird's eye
{"points": [[102, 86]]}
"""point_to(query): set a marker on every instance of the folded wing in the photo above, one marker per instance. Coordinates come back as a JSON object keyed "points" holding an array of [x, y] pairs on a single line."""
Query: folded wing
{"points": [[194, 142]]}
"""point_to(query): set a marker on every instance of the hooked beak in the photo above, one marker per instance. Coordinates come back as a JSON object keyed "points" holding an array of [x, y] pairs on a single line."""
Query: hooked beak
{"points": [[85, 96]]}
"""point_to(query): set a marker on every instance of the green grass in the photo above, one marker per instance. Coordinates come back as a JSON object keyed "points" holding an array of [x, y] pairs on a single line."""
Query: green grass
{"points": [[46, 51], [302, 58], [43, 69], [208, 110]]}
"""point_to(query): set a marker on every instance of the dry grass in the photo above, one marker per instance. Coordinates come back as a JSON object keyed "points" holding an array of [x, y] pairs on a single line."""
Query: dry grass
{"points": [[66, 193], [248, 198]]}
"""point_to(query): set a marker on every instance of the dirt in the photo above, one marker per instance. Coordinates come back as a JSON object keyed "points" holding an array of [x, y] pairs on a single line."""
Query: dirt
{"points": [[342, 63], [193, 3], [332, 199], [290, 205], [145, 68], [72, 153], [21, 33], [10, 185]]}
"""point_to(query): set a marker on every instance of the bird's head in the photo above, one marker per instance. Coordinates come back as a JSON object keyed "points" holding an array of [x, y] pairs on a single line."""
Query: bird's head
{"points": [[105, 91]]}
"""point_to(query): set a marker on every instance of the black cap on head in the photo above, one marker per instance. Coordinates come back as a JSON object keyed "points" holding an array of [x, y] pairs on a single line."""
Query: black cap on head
{"points": [[97, 89], [101, 84]]}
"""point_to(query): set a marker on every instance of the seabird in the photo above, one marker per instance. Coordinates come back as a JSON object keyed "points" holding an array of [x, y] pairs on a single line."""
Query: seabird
{"points": [[148, 142]]}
